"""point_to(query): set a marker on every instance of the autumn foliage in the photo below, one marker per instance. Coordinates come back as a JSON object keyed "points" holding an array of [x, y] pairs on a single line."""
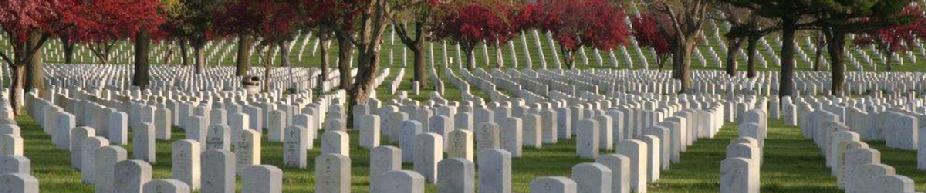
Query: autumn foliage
{"points": [[107, 21], [471, 23], [270, 19], [898, 37], [582, 23], [650, 30], [31, 23]]}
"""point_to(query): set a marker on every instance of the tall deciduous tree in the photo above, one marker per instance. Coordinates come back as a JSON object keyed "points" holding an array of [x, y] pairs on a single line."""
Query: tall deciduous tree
{"points": [[686, 17], [241, 19], [417, 12], [193, 22], [343, 19], [29, 24], [470, 23], [791, 15], [116, 20], [583, 23], [896, 38], [317, 19], [838, 18], [357, 24], [172, 32], [650, 30], [745, 27], [271, 20]]}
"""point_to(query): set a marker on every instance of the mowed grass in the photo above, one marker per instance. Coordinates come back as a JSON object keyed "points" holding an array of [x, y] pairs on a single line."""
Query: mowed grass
{"points": [[792, 164]]}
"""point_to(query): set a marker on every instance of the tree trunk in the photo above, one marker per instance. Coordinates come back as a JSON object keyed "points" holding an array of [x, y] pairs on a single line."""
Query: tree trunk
{"points": [[818, 53], [169, 54], [890, 59], [751, 59], [421, 72], [267, 68], [568, 58], [35, 73], [661, 61], [200, 59], [243, 60], [344, 57], [374, 25], [284, 53], [323, 50], [26, 69], [470, 58], [101, 53], [732, 49], [837, 41], [68, 47], [17, 80], [184, 57], [682, 65], [141, 77], [786, 81]]}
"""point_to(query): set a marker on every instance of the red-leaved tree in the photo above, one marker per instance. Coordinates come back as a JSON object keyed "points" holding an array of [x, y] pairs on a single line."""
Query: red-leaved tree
{"points": [[271, 20], [192, 24], [898, 37], [583, 23], [239, 18], [30, 23], [357, 24], [115, 20], [343, 20], [649, 31], [469, 23]]}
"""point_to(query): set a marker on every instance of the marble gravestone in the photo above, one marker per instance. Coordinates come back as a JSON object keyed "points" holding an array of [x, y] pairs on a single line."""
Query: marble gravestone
{"points": [[218, 171], [332, 173], [166, 186], [399, 181], [383, 159], [185, 162], [19, 183], [636, 151], [457, 175], [428, 152], [131, 175], [553, 184], [494, 171], [295, 146], [14, 164], [261, 179], [460, 144]]}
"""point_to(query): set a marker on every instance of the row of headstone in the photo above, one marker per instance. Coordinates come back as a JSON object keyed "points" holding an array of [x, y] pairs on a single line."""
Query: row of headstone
{"points": [[98, 159], [740, 172], [15, 168], [856, 166]]}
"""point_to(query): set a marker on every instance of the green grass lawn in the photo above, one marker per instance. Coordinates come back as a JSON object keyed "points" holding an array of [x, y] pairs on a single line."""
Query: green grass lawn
{"points": [[792, 164]]}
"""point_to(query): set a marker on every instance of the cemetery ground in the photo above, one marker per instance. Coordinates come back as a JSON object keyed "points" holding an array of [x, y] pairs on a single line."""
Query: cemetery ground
{"points": [[791, 163]]}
